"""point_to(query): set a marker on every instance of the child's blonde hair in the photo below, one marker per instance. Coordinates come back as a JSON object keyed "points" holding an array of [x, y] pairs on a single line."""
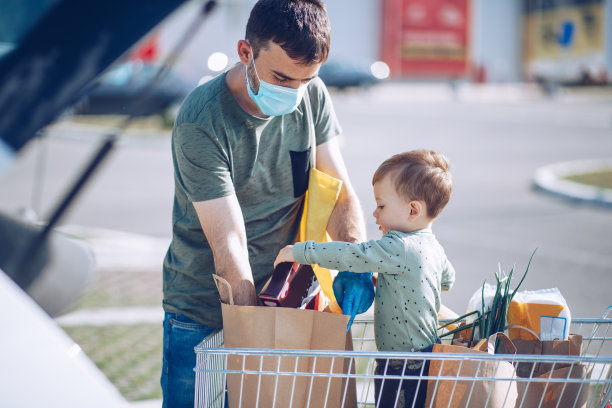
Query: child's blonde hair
{"points": [[419, 175]]}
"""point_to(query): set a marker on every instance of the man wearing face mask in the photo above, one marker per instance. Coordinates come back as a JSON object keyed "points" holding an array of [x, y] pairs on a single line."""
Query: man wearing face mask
{"points": [[241, 149]]}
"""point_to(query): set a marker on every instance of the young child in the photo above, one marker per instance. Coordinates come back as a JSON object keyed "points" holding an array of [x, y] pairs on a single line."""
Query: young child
{"points": [[410, 189]]}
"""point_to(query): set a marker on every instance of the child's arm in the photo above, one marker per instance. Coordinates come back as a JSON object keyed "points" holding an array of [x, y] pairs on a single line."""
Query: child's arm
{"points": [[386, 255], [448, 276], [285, 255]]}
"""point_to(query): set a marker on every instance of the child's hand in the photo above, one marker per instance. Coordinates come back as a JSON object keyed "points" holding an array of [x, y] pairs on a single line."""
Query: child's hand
{"points": [[285, 255]]}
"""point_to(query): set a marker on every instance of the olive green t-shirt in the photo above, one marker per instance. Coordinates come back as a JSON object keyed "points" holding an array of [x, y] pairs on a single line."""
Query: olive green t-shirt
{"points": [[218, 149]]}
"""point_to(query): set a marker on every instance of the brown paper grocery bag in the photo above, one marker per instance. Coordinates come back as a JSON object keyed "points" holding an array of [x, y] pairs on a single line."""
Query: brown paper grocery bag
{"points": [[570, 347], [557, 394], [572, 393], [454, 393], [286, 328]]}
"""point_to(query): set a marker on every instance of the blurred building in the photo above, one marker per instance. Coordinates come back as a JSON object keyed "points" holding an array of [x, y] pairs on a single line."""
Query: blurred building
{"points": [[566, 41]]}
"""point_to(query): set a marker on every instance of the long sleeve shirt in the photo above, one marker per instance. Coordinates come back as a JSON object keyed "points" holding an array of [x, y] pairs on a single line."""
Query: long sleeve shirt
{"points": [[412, 271]]}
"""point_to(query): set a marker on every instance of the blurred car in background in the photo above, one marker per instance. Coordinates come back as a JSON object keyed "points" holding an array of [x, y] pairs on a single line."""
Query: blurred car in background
{"points": [[342, 74], [123, 90]]}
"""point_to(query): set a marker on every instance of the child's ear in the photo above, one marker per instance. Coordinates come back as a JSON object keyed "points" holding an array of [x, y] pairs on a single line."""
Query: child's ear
{"points": [[415, 208]]}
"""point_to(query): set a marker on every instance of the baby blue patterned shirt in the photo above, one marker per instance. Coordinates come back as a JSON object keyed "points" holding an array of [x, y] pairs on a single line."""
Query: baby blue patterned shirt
{"points": [[412, 271]]}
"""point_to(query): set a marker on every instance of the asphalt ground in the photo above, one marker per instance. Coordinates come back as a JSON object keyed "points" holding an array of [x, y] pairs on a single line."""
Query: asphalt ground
{"points": [[496, 138]]}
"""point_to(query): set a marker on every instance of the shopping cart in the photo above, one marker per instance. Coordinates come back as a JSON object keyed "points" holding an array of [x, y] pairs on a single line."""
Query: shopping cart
{"points": [[273, 378]]}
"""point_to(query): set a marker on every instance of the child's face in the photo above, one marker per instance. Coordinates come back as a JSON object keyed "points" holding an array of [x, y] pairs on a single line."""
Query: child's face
{"points": [[392, 211]]}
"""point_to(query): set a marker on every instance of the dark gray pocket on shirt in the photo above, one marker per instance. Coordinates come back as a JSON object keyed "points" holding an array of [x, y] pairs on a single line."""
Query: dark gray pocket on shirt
{"points": [[300, 166]]}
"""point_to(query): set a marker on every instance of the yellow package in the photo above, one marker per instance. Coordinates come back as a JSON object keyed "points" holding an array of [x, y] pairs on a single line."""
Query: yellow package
{"points": [[529, 309]]}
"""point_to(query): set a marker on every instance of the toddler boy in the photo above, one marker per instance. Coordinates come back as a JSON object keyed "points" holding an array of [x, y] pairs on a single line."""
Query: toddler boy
{"points": [[410, 189]]}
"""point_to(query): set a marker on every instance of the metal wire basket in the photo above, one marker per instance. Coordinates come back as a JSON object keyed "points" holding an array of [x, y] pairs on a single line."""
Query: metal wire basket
{"points": [[264, 379]]}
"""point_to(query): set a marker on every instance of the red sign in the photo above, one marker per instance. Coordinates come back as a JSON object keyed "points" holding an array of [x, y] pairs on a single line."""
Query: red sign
{"points": [[426, 37]]}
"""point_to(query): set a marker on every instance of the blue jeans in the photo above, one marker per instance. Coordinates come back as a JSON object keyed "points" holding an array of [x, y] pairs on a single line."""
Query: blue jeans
{"points": [[181, 335]]}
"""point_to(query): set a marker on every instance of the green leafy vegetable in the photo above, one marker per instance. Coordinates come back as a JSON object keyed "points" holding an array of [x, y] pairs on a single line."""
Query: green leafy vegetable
{"points": [[493, 319]]}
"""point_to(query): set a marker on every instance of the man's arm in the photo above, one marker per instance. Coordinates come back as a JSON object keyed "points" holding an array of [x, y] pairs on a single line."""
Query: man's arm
{"points": [[354, 292], [346, 222], [222, 222]]}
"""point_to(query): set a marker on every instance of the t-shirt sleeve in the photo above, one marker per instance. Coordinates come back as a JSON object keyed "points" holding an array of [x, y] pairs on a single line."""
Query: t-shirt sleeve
{"points": [[370, 256], [326, 122], [448, 276], [203, 169]]}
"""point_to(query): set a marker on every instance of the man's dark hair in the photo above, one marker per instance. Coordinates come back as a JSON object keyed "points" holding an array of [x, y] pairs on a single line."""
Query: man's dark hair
{"points": [[300, 27]]}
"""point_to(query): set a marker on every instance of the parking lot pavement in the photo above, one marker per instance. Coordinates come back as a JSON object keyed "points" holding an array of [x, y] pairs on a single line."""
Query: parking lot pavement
{"points": [[118, 320]]}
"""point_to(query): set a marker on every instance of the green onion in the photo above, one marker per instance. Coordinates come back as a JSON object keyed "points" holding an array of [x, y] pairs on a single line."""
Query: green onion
{"points": [[492, 320]]}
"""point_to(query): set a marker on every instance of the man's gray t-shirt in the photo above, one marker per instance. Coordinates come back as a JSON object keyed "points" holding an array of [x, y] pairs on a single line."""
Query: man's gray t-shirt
{"points": [[218, 149]]}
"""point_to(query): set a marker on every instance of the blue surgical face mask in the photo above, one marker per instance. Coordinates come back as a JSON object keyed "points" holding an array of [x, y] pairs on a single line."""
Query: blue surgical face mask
{"points": [[274, 100]]}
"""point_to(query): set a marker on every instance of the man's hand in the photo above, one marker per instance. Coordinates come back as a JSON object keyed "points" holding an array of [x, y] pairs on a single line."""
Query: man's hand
{"points": [[354, 293], [285, 255]]}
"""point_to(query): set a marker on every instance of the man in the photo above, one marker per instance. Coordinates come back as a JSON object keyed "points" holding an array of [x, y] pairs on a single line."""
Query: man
{"points": [[241, 148]]}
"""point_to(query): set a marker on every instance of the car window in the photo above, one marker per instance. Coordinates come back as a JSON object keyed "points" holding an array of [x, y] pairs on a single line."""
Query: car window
{"points": [[17, 17]]}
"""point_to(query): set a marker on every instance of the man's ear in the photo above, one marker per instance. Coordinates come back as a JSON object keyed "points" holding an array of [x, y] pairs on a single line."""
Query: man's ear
{"points": [[244, 52], [415, 208]]}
